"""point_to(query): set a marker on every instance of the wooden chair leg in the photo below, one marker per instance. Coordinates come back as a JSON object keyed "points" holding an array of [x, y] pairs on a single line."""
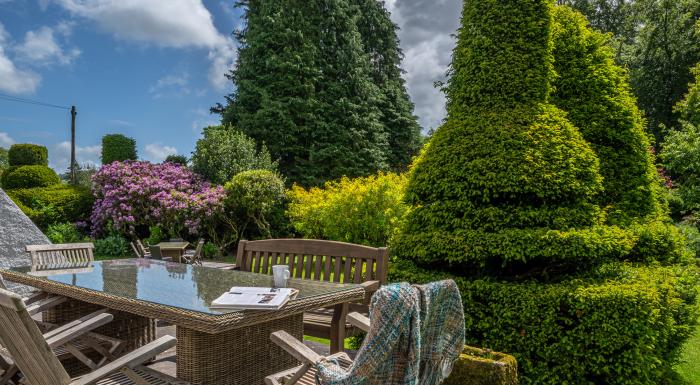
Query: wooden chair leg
{"points": [[340, 312]]}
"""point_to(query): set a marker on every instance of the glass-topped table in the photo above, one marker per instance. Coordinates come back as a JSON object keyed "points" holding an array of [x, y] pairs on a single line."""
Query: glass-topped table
{"points": [[213, 348]]}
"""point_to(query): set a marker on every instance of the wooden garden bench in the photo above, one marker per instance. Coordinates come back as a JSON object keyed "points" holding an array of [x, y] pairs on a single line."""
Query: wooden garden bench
{"points": [[322, 261]]}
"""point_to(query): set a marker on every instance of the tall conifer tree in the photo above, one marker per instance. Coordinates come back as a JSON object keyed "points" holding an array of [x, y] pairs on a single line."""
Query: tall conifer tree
{"points": [[381, 44], [303, 87]]}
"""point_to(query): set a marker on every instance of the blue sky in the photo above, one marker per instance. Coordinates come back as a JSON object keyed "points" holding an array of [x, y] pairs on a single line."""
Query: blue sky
{"points": [[150, 69]]}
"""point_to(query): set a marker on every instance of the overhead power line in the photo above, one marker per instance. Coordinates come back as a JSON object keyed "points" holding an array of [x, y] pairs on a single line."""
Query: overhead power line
{"points": [[16, 99]]}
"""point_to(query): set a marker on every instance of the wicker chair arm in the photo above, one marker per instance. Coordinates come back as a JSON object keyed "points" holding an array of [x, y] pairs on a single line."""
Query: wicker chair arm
{"points": [[131, 360]]}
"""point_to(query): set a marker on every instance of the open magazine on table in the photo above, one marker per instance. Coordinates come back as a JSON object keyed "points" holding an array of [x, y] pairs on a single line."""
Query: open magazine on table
{"points": [[257, 298]]}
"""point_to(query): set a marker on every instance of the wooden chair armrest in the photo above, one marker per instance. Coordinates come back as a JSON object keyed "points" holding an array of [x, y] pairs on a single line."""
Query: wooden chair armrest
{"points": [[359, 321], [67, 335], [295, 347], [34, 297], [73, 323], [371, 286], [131, 360], [40, 305]]}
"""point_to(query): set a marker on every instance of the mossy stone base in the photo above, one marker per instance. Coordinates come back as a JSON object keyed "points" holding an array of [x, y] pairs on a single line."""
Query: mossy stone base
{"points": [[482, 367]]}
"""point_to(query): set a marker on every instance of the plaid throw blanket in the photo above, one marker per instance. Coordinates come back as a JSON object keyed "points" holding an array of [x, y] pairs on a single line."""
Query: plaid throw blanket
{"points": [[416, 333]]}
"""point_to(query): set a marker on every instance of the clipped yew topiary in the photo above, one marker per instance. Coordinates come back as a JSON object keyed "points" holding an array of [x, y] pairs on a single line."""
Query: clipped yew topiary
{"points": [[29, 176], [28, 154], [507, 170], [509, 199], [597, 97]]}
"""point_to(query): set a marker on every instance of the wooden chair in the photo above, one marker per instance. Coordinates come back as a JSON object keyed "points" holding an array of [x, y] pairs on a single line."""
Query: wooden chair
{"points": [[194, 257], [322, 261], [61, 254], [135, 250], [305, 374], [145, 253], [32, 352], [107, 347]]}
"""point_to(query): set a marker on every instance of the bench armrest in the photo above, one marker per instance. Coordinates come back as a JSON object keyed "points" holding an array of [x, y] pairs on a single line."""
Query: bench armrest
{"points": [[40, 305], [295, 347], [131, 360]]}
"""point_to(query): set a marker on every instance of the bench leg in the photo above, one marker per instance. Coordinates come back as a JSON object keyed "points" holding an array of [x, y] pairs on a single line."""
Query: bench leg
{"points": [[340, 313]]}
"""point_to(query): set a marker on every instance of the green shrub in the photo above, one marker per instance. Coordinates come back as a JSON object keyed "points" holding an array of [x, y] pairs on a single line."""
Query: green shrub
{"points": [[363, 210], [209, 250], [28, 155], [619, 325], [113, 245], [117, 147], [251, 196], [224, 152], [64, 233], [595, 93], [156, 234], [54, 204], [178, 159], [29, 176]]}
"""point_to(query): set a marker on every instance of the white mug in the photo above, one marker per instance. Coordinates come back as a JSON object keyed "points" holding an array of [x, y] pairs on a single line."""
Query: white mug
{"points": [[280, 275]]}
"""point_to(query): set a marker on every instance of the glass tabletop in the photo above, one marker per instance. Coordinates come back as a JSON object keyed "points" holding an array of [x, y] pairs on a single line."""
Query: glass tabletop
{"points": [[173, 245], [167, 283]]}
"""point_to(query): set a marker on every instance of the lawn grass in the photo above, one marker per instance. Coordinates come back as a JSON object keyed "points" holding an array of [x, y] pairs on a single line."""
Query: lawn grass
{"points": [[325, 341], [688, 370]]}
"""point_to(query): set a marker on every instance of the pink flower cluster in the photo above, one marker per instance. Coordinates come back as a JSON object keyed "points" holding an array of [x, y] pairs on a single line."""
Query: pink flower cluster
{"points": [[133, 193]]}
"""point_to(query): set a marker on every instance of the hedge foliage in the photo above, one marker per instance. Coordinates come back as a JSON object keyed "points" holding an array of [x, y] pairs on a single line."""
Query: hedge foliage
{"points": [[29, 176], [507, 170], [619, 325], [365, 211], [117, 147], [28, 155], [595, 93], [250, 198], [54, 204]]}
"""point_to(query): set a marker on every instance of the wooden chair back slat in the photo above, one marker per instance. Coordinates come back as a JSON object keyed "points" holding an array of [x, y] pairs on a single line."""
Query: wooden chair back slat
{"points": [[20, 335], [61, 254], [358, 271], [315, 259]]}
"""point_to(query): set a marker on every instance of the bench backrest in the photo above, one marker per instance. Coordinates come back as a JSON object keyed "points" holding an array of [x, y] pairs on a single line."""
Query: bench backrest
{"points": [[20, 335], [315, 259], [62, 254]]}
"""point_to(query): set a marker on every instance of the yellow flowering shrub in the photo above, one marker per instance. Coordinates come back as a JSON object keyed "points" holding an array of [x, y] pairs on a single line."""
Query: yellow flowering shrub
{"points": [[362, 210]]}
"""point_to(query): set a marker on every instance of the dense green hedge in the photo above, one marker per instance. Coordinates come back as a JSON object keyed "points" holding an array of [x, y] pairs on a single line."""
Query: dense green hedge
{"points": [[117, 147], [597, 97], [54, 204], [29, 176], [28, 155], [620, 325]]}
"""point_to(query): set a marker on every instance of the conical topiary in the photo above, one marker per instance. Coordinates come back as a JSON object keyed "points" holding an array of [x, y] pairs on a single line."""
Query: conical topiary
{"points": [[507, 180], [597, 97]]}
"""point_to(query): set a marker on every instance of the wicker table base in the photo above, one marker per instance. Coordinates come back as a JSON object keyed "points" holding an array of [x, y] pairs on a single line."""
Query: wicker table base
{"points": [[135, 330], [243, 356]]}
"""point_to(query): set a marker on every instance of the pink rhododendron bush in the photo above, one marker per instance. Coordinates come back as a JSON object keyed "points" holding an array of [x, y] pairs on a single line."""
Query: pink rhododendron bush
{"points": [[132, 195]]}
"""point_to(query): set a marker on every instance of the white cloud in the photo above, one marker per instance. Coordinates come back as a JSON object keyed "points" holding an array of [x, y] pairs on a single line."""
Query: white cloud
{"points": [[164, 23], [204, 119], [427, 46], [59, 155], [172, 85], [157, 152], [40, 47], [5, 140], [14, 80]]}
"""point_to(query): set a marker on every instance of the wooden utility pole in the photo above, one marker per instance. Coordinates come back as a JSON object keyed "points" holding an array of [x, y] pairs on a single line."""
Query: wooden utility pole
{"points": [[72, 145]]}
